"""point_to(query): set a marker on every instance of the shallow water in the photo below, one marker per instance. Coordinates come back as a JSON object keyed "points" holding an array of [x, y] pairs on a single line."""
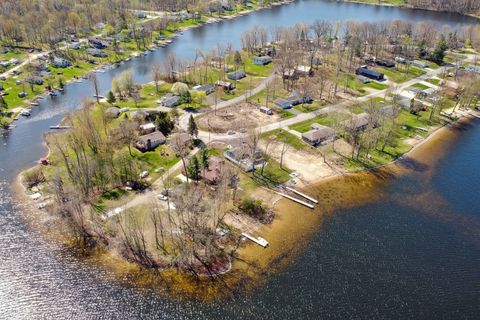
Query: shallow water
{"points": [[411, 250]]}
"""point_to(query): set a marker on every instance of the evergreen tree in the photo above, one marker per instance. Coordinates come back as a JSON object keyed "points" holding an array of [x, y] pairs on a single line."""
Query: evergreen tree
{"points": [[164, 123], [204, 159], [194, 169], [192, 127], [111, 97], [439, 53]]}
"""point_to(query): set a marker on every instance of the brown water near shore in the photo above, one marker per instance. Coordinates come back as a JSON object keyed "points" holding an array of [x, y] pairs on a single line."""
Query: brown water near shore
{"points": [[288, 235]]}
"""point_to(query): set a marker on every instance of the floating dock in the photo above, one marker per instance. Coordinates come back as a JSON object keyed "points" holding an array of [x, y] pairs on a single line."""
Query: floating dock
{"points": [[259, 240], [309, 205], [302, 194]]}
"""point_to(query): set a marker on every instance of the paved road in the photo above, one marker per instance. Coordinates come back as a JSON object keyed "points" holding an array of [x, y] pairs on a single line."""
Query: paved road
{"points": [[211, 136]]}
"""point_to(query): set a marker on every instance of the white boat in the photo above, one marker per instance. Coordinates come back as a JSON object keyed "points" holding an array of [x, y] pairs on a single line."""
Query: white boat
{"points": [[25, 113]]}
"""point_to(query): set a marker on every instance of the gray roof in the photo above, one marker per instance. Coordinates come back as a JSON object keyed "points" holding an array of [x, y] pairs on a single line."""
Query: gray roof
{"points": [[387, 111], [154, 137], [358, 120], [236, 75], [112, 112], [320, 133]]}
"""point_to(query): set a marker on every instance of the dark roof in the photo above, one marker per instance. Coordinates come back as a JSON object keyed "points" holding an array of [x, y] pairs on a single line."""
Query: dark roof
{"points": [[369, 72]]}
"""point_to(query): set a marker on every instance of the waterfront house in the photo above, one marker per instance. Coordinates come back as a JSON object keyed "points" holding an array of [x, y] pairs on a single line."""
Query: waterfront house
{"points": [[207, 88], [98, 53], [170, 100], [150, 141], [236, 75], [358, 122], [283, 103], [261, 61], [147, 128], [369, 73], [319, 135], [241, 156], [227, 86]]}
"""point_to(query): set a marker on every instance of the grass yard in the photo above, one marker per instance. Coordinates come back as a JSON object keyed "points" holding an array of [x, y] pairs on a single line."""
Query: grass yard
{"points": [[287, 137], [402, 73]]}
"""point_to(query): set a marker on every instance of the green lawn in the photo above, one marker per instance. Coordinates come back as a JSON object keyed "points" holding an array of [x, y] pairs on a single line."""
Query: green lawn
{"points": [[434, 81], [287, 137], [326, 120], [402, 74]]}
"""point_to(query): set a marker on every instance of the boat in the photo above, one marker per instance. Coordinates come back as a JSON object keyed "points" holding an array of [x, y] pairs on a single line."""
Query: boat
{"points": [[34, 104], [25, 113]]}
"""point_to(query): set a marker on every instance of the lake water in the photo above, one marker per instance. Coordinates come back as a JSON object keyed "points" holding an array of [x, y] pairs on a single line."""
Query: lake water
{"points": [[401, 257]]}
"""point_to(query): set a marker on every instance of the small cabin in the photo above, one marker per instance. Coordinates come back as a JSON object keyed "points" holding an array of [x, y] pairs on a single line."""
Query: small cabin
{"points": [[225, 85], [207, 88], [319, 135]]}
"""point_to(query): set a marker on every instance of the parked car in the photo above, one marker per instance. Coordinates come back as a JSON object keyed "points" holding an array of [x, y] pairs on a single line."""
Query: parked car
{"points": [[144, 174]]}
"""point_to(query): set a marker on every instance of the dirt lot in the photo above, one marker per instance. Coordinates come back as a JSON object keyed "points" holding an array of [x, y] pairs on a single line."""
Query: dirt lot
{"points": [[235, 118], [309, 165]]}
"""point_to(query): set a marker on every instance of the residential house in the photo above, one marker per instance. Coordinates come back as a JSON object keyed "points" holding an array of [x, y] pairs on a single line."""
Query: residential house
{"points": [[96, 52], [34, 80], [385, 63], [241, 157], [297, 98], [299, 71], [283, 103], [207, 88], [147, 128], [150, 141], [214, 173], [170, 100], [369, 73], [358, 122], [473, 68], [236, 75], [97, 43], [60, 63], [388, 111], [319, 135], [419, 64], [261, 61], [225, 85]]}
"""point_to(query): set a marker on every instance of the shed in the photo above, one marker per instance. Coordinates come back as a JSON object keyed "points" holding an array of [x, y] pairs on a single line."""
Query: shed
{"points": [[150, 141], [236, 75], [266, 110]]}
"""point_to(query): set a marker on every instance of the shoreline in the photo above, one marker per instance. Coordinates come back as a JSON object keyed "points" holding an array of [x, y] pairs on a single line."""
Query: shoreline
{"points": [[10, 123], [285, 244], [406, 6]]}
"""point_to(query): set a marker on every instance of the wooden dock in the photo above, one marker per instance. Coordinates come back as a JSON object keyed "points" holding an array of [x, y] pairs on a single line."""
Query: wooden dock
{"points": [[306, 204], [259, 240], [302, 194]]}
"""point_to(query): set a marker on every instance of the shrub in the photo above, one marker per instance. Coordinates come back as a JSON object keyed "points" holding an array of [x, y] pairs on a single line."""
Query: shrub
{"points": [[33, 177], [253, 207]]}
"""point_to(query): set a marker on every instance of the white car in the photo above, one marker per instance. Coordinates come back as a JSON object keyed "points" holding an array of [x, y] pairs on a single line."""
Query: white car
{"points": [[144, 174], [162, 197]]}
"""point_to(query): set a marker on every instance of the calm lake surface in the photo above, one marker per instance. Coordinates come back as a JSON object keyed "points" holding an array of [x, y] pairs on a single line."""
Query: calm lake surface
{"points": [[388, 259]]}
